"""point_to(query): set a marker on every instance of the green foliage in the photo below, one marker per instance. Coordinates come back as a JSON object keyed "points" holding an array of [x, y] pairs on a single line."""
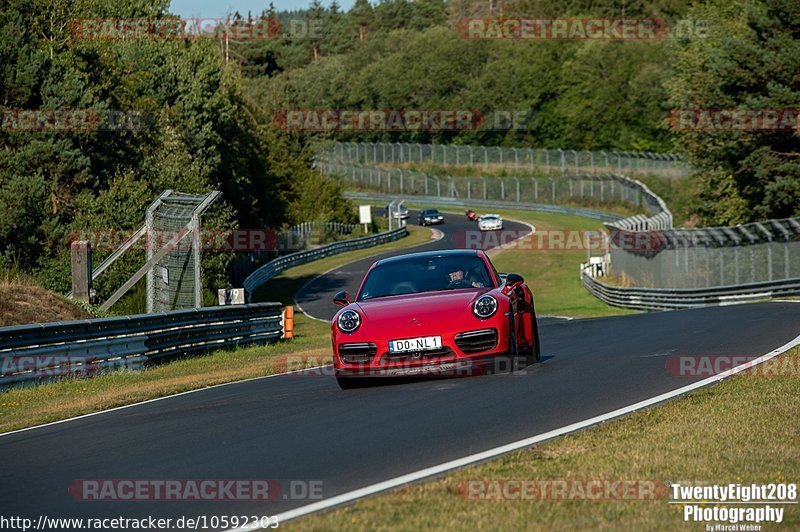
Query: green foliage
{"points": [[318, 198], [406, 55], [199, 132], [749, 63]]}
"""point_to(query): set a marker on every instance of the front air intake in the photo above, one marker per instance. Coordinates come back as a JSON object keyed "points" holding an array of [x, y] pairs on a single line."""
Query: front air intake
{"points": [[357, 353], [474, 341]]}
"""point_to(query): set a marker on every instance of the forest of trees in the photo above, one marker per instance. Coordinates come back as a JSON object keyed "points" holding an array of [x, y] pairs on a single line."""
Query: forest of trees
{"points": [[201, 134], [210, 105], [585, 94]]}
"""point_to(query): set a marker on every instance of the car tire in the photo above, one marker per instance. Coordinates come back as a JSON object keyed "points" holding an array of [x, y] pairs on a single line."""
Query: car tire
{"points": [[536, 348], [517, 358], [533, 353]]}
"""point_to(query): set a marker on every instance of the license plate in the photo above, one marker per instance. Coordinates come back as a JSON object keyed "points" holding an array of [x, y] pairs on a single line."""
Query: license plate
{"points": [[423, 343]]}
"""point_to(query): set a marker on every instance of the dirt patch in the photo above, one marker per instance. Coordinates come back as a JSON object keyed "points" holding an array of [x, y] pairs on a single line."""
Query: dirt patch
{"points": [[22, 302]]}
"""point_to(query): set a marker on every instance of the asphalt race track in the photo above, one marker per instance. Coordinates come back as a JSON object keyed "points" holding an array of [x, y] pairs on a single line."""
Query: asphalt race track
{"points": [[302, 427]]}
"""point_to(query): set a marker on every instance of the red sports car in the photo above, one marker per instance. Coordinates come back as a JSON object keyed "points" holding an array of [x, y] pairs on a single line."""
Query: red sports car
{"points": [[433, 313]]}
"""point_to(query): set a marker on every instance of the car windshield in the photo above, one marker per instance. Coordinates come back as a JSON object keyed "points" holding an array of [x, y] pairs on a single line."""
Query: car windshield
{"points": [[432, 212], [414, 275], [491, 218]]}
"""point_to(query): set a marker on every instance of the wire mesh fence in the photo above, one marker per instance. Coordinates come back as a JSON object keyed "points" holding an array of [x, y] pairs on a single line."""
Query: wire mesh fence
{"points": [[173, 230], [709, 257], [531, 160], [556, 190]]}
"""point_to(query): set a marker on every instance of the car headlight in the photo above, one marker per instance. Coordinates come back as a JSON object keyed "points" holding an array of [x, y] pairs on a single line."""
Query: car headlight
{"points": [[484, 307], [348, 321]]}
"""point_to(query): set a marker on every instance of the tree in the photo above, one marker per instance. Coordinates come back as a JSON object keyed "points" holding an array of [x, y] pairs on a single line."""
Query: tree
{"points": [[750, 62]]}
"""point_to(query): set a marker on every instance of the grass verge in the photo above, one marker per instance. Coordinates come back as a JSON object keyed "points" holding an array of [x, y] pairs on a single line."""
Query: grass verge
{"points": [[29, 406], [744, 430]]}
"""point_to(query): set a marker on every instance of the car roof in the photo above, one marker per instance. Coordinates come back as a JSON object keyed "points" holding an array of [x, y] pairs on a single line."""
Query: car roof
{"points": [[431, 254]]}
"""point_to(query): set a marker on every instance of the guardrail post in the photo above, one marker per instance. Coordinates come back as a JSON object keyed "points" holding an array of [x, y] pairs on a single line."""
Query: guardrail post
{"points": [[81, 251]]}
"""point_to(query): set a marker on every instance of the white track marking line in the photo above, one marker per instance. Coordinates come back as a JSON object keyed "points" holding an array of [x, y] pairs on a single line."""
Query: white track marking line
{"points": [[514, 446], [157, 399]]}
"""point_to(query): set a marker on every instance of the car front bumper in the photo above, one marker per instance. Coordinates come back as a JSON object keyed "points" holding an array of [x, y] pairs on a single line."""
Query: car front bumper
{"points": [[450, 360]]}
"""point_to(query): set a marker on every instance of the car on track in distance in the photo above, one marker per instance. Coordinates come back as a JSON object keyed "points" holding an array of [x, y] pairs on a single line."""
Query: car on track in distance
{"points": [[435, 313], [490, 222], [430, 217], [400, 213]]}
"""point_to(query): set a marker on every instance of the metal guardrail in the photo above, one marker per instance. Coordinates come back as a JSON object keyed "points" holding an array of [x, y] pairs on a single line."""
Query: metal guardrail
{"points": [[276, 266], [673, 299], [456, 202], [46, 351]]}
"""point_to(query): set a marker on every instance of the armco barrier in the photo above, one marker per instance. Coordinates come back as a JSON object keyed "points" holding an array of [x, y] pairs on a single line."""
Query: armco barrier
{"points": [[673, 299], [44, 351], [276, 266], [456, 202]]}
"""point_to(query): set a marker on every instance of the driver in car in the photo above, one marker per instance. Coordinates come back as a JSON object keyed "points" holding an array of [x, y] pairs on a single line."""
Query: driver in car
{"points": [[462, 275]]}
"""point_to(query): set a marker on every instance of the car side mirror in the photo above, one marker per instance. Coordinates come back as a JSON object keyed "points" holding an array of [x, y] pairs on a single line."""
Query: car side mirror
{"points": [[342, 299], [513, 280]]}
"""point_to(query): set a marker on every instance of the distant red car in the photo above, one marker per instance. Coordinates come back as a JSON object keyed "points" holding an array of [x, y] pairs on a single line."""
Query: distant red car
{"points": [[434, 313]]}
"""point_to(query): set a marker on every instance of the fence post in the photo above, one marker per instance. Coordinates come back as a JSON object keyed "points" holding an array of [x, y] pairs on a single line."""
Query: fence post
{"points": [[81, 257]]}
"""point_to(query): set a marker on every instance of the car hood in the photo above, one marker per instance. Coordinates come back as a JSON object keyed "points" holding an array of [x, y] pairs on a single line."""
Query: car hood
{"points": [[417, 313]]}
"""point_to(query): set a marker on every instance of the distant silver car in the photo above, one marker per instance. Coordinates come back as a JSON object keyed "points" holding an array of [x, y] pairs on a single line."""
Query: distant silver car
{"points": [[490, 222], [400, 213]]}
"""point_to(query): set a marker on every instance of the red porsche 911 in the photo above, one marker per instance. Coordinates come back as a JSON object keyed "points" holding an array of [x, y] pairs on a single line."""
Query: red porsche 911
{"points": [[437, 313]]}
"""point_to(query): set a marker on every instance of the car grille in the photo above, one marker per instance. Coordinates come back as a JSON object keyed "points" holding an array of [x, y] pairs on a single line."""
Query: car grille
{"points": [[473, 341], [357, 353], [420, 356]]}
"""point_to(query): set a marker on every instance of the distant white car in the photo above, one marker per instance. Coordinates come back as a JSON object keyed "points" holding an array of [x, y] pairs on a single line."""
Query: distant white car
{"points": [[490, 222], [400, 213]]}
